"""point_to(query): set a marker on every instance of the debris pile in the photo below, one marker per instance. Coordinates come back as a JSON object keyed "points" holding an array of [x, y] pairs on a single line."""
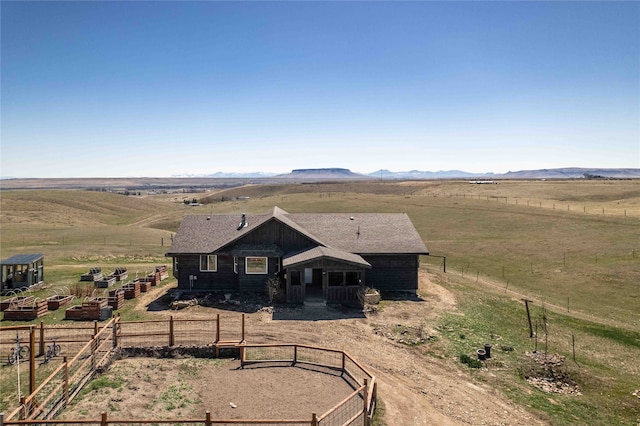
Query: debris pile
{"points": [[548, 372]]}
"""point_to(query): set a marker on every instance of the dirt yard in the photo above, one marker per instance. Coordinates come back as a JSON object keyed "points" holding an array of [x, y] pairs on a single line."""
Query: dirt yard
{"points": [[188, 387], [415, 387]]}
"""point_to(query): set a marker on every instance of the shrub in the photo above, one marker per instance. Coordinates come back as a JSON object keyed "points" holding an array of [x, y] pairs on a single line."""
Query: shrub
{"points": [[471, 362]]}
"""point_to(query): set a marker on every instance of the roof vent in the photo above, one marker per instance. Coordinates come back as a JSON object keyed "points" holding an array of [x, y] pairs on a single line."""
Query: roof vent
{"points": [[351, 218], [243, 223]]}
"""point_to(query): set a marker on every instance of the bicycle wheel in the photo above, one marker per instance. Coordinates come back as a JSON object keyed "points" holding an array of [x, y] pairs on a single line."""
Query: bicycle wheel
{"points": [[47, 356], [11, 358], [24, 352], [56, 349]]}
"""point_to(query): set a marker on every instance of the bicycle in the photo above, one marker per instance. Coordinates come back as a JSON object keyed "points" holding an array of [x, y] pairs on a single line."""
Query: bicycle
{"points": [[18, 352], [53, 349]]}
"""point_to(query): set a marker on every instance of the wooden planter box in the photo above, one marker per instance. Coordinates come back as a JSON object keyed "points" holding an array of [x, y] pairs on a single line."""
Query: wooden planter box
{"points": [[372, 298], [93, 275], [55, 302], [116, 299], [25, 312], [105, 282], [121, 274], [131, 290], [15, 302], [163, 271], [145, 286], [153, 279], [96, 309]]}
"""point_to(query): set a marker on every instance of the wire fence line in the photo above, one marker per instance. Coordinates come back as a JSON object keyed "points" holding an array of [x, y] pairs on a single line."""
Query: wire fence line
{"points": [[69, 376], [576, 207]]}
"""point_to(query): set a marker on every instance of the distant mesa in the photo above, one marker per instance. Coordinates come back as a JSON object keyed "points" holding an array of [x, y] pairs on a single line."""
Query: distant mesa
{"points": [[329, 173]]}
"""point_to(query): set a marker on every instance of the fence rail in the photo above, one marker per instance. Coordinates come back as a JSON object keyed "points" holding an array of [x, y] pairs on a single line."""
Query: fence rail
{"points": [[67, 379], [356, 409]]}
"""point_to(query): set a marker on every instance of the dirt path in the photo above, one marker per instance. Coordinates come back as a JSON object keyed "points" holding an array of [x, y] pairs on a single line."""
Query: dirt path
{"points": [[416, 388]]}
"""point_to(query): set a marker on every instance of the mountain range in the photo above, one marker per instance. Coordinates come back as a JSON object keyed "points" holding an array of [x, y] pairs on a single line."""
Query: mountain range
{"points": [[341, 173]]}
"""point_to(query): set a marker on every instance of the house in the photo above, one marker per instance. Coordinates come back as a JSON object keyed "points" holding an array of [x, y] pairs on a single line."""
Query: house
{"points": [[314, 255], [21, 271]]}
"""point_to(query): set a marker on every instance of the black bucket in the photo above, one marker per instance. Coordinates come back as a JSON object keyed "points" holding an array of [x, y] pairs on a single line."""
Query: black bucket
{"points": [[487, 350], [481, 354]]}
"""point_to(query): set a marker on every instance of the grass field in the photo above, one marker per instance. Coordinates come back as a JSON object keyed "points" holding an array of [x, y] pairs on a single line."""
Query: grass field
{"points": [[572, 247]]}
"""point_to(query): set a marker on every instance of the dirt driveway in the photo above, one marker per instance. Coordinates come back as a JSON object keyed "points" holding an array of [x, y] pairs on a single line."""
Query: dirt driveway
{"points": [[416, 388]]}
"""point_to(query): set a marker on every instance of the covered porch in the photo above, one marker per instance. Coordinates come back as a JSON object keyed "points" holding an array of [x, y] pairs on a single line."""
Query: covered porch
{"points": [[324, 274]]}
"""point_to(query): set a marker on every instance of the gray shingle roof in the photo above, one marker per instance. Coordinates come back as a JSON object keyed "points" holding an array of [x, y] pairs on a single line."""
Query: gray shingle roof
{"points": [[324, 252], [362, 233]]}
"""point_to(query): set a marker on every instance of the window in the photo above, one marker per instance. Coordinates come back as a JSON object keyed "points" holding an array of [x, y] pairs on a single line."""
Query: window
{"points": [[256, 265], [235, 264], [336, 279], [209, 263]]}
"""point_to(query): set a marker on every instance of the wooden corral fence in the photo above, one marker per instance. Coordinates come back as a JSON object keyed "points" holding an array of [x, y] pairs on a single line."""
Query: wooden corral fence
{"points": [[355, 409], [206, 421], [64, 383], [96, 355]]}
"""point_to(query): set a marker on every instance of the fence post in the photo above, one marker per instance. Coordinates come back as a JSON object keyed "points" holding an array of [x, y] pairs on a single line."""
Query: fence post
{"points": [[217, 327], [295, 354], [115, 331], [171, 336], [207, 418], [314, 419], [23, 412], [365, 399], [1, 419], [95, 328], [66, 381], [242, 328], [343, 361], [32, 360], [103, 419], [94, 348], [41, 348]]}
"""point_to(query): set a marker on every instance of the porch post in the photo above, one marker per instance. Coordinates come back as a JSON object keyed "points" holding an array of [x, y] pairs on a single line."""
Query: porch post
{"points": [[288, 285], [325, 283]]}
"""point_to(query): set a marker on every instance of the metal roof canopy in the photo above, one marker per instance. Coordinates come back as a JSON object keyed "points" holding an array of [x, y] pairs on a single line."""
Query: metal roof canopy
{"points": [[22, 259]]}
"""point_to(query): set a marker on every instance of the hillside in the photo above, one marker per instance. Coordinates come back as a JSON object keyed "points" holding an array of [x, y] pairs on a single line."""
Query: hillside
{"points": [[570, 246]]}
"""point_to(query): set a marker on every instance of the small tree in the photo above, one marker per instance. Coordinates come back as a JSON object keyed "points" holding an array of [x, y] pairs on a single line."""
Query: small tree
{"points": [[274, 289]]}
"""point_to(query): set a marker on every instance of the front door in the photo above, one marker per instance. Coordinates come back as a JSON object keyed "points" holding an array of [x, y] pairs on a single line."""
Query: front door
{"points": [[313, 283]]}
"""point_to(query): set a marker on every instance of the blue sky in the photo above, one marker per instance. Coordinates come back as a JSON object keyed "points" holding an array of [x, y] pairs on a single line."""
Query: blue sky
{"points": [[112, 89]]}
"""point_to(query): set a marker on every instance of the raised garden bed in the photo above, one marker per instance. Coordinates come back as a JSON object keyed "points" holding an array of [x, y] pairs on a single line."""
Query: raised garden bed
{"points": [[26, 312], [121, 274], [163, 271], [57, 301], [152, 279], [105, 282], [131, 290], [116, 299], [96, 309], [15, 302], [145, 286], [93, 275]]}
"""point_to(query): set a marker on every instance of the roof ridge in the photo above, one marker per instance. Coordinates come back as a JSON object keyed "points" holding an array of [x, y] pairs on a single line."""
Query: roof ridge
{"points": [[277, 211]]}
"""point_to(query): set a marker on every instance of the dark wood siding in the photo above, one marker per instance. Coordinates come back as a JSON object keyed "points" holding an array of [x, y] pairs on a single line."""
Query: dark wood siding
{"points": [[393, 272], [256, 282], [224, 279], [274, 232], [342, 294]]}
